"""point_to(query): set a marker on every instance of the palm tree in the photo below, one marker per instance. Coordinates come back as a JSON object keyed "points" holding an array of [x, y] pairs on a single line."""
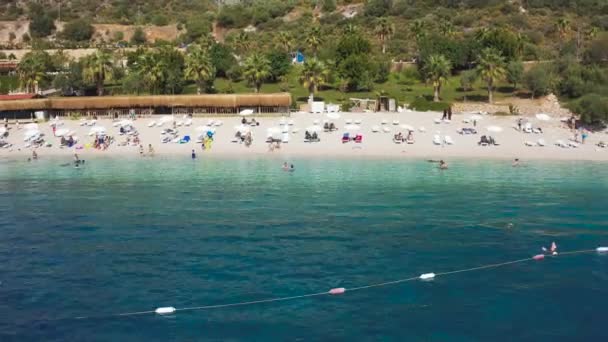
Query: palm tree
{"points": [[436, 71], [314, 73], [242, 42], [151, 69], [482, 34], [98, 68], [314, 39], [351, 28], [563, 26], [384, 30], [199, 67], [446, 28], [31, 71], [490, 67], [418, 29], [256, 70], [592, 32], [284, 41]]}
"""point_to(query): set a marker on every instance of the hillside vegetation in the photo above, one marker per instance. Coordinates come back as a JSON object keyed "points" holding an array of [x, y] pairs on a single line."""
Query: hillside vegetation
{"points": [[463, 50]]}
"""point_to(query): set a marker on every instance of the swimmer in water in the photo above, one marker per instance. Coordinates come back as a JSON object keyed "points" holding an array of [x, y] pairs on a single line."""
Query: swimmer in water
{"points": [[515, 162], [34, 155], [292, 168], [285, 166], [443, 165]]}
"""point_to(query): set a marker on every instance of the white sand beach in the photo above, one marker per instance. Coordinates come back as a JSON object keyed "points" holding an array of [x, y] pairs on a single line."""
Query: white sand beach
{"points": [[512, 142]]}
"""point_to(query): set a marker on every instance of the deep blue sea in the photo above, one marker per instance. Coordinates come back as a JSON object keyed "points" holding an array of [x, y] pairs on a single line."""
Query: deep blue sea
{"points": [[125, 235]]}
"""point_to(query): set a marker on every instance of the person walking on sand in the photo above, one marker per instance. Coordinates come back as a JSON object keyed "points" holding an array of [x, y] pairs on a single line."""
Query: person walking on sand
{"points": [[584, 136], [519, 121], [141, 150], [150, 150]]}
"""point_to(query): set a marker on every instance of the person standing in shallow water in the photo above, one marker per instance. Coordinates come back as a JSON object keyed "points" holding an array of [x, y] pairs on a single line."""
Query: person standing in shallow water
{"points": [[193, 155]]}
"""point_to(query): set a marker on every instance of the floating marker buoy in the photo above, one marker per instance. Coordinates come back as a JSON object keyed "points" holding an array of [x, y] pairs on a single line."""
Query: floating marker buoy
{"points": [[337, 291], [427, 276], [602, 249], [538, 257], [165, 311]]}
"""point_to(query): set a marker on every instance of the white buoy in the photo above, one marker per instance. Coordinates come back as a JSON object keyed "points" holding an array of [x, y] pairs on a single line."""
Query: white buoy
{"points": [[427, 276], [165, 311], [602, 249]]}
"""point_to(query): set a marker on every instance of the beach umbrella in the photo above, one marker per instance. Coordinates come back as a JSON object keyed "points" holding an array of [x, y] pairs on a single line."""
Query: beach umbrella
{"points": [[476, 117], [2, 130], [61, 132], [30, 133], [242, 128], [313, 128], [246, 112], [31, 127], [543, 117], [408, 127], [333, 116], [124, 123], [97, 130], [274, 130], [352, 127], [166, 118], [495, 129]]}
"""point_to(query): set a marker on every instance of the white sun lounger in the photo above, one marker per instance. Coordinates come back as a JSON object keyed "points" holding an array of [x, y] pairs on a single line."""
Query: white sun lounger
{"points": [[285, 139], [152, 124], [358, 121], [386, 129], [436, 139], [561, 144], [349, 121], [384, 122], [375, 129], [188, 122], [395, 122], [290, 123], [437, 121], [541, 142], [448, 140], [422, 130]]}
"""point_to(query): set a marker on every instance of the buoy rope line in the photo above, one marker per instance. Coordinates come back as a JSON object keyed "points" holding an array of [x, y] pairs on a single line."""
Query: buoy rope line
{"points": [[342, 290]]}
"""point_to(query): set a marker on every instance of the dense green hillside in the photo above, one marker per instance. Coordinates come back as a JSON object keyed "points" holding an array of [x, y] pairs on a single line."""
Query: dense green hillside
{"points": [[473, 48]]}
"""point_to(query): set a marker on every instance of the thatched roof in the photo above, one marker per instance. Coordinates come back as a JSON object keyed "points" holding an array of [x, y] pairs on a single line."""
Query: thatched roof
{"points": [[110, 102]]}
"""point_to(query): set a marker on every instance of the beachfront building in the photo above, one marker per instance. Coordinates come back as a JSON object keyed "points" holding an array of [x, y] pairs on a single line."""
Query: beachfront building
{"points": [[117, 106]]}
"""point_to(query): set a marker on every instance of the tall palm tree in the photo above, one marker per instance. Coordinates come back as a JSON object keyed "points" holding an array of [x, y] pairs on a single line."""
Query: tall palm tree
{"points": [[151, 69], [314, 39], [199, 67], [483, 34], [31, 71], [242, 42], [314, 73], [284, 41], [563, 26], [491, 68], [98, 68], [384, 30], [256, 70], [436, 70]]}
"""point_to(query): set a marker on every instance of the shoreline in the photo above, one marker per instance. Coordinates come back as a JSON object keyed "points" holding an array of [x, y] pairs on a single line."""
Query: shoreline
{"points": [[375, 145]]}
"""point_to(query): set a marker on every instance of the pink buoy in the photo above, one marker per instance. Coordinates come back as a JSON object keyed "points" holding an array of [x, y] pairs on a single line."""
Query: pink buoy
{"points": [[337, 291], [538, 257]]}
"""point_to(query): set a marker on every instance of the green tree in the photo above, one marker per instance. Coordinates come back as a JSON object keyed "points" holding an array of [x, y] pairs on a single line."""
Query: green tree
{"points": [[384, 30], [280, 64], [491, 68], [242, 42], [32, 69], [467, 80], [199, 67], [97, 69], [70, 81], [329, 6], [563, 27], [515, 73], [377, 8], [446, 28], [139, 36], [314, 39], [593, 109], [222, 58], [436, 71], [539, 80], [313, 74], [256, 70], [41, 23], [284, 41], [418, 29], [78, 30]]}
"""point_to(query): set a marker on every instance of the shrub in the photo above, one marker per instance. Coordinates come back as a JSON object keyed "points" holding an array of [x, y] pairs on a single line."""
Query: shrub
{"points": [[41, 26], [139, 37], [329, 6], [78, 30], [592, 108], [423, 105], [539, 80], [515, 73]]}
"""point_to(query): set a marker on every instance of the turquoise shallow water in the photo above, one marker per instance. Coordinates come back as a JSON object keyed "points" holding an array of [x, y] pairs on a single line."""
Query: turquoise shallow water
{"points": [[131, 235]]}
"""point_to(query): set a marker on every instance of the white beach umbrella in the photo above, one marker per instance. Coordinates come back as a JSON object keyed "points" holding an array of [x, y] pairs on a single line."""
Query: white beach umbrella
{"points": [[242, 128], [352, 127], [246, 112], [61, 132], [2, 130], [543, 117], [495, 129], [274, 130], [97, 130], [31, 126], [30, 133], [124, 123], [166, 118], [476, 117], [205, 129], [334, 116], [408, 127], [313, 128]]}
